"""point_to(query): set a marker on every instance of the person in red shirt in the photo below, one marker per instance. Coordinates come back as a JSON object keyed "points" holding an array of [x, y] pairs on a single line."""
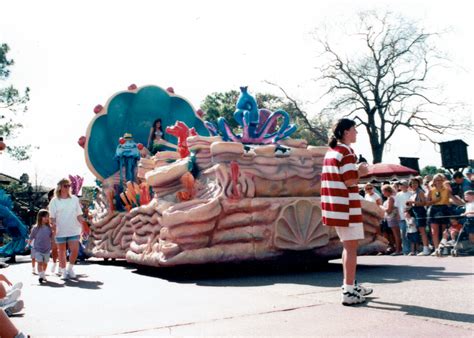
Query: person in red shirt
{"points": [[341, 206]]}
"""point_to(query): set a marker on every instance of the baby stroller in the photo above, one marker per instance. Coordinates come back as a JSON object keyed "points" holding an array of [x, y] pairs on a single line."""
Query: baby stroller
{"points": [[462, 246]]}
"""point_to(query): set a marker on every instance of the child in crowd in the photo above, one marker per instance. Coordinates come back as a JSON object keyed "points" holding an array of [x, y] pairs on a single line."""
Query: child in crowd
{"points": [[469, 214], [453, 231], [412, 232], [42, 236]]}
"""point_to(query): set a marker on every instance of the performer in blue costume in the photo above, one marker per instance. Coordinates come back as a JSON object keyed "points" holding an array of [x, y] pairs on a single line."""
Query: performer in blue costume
{"points": [[128, 154]]}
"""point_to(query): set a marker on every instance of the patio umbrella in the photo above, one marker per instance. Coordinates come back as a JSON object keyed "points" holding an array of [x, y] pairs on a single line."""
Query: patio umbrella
{"points": [[387, 172]]}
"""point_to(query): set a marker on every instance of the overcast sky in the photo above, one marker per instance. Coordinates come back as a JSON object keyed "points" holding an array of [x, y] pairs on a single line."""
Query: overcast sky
{"points": [[74, 55]]}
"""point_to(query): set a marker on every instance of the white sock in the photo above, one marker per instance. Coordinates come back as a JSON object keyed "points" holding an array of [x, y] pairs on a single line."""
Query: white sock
{"points": [[348, 287], [70, 266]]}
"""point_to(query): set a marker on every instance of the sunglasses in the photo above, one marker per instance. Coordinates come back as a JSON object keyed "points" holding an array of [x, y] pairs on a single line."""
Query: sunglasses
{"points": [[66, 185], [369, 188]]}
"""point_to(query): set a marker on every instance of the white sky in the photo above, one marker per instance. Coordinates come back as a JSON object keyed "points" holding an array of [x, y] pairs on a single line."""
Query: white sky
{"points": [[74, 55]]}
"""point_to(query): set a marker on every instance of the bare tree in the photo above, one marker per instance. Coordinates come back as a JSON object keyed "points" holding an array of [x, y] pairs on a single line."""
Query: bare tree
{"points": [[384, 83], [314, 129]]}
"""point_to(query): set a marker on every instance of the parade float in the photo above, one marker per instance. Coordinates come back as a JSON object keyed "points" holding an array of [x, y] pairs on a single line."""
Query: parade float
{"points": [[11, 227], [210, 193]]}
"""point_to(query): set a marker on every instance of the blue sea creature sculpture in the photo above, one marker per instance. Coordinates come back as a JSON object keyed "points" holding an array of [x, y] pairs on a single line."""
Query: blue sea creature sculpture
{"points": [[12, 226], [259, 126]]}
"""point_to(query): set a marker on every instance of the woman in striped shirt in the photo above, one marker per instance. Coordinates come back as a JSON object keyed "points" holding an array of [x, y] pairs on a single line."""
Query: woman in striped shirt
{"points": [[340, 203]]}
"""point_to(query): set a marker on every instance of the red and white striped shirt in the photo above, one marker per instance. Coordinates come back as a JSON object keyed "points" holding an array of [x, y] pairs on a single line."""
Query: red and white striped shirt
{"points": [[340, 204]]}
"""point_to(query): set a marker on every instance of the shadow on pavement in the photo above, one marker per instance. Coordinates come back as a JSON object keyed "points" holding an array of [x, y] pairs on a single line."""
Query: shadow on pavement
{"points": [[52, 284], [414, 310], [292, 271], [83, 284]]}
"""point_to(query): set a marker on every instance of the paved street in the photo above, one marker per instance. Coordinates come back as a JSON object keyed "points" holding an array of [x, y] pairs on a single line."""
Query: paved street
{"points": [[414, 296]]}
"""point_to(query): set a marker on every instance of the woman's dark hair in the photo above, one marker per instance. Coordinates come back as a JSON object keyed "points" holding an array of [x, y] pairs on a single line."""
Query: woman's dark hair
{"points": [[153, 131], [338, 130]]}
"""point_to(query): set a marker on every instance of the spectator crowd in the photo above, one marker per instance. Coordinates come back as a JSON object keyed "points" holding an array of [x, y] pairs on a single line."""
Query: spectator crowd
{"points": [[425, 215]]}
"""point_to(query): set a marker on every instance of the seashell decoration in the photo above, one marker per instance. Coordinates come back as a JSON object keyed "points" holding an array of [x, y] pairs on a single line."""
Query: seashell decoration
{"points": [[299, 227]]}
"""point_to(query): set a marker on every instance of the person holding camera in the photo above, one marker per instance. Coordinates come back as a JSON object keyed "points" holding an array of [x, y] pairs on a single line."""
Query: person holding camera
{"points": [[438, 209]]}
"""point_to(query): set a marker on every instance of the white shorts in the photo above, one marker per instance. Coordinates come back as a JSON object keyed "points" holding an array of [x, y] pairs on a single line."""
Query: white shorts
{"points": [[350, 233]]}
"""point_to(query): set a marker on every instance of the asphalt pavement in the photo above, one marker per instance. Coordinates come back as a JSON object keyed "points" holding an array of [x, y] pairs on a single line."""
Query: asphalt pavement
{"points": [[413, 297]]}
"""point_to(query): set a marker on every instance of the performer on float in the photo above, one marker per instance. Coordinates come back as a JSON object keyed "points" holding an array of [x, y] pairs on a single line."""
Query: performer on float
{"points": [[341, 206], [156, 135], [128, 154]]}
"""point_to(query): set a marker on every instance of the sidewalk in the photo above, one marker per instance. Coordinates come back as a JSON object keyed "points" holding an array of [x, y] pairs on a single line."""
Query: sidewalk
{"points": [[414, 296]]}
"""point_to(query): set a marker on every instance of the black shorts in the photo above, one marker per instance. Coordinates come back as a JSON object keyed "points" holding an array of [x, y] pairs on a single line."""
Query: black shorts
{"points": [[439, 214], [420, 216]]}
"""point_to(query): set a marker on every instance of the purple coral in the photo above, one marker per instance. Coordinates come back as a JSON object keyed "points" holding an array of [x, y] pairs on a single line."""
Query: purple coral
{"points": [[76, 183]]}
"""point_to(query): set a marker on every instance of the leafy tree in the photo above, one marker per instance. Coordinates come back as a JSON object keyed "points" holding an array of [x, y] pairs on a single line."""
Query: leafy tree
{"points": [[429, 170], [432, 170], [384, 83], [11, 101], [315, 131]]}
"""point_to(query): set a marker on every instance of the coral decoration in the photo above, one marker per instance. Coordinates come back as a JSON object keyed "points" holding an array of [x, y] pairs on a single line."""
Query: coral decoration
{"points": [[170, 90], [122, 140], [98, 108], [181, 131], [110, 199], [144, 193], [234, 172], [82, 141], [140, 146], [187, 180], [200, 112], [135, 195], [126, 202], [76, 183], [133, 86]]}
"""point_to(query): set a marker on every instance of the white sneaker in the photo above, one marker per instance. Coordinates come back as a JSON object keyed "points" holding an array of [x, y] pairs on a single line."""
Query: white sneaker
{"points": [[362, 290], [71, 273], [426, 252], [42, 277], [14, 308], [10, 298], [351, 297], [16, 286]]}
